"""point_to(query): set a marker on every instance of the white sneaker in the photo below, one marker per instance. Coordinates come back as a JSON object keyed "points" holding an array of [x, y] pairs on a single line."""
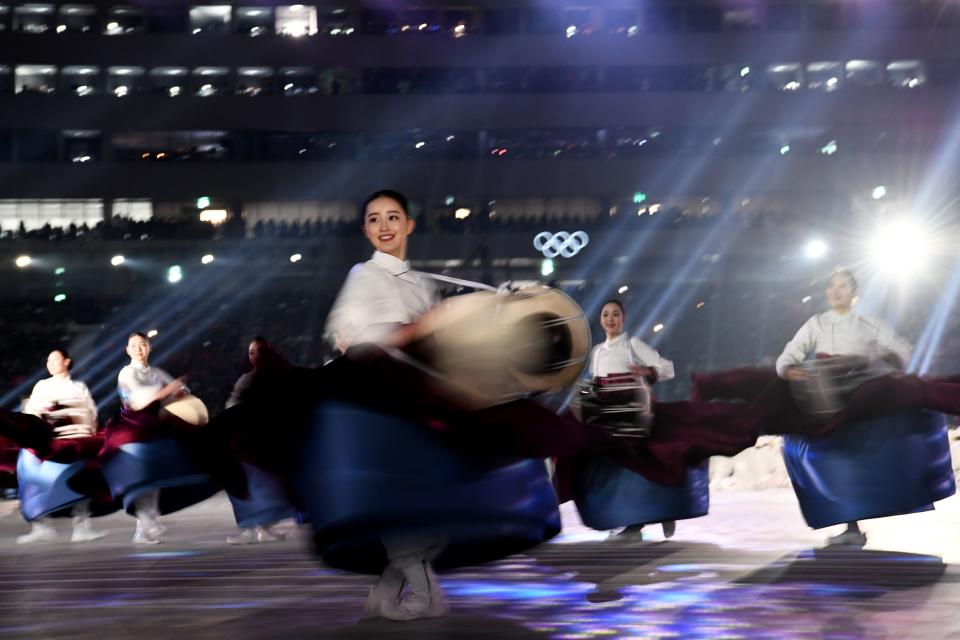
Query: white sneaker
{"points": [[424, 599], [40, 531], [270, 534], [629, 535], [669, 528], [83, 532], [245, 536], [848, 538], [387, 589], [148, 535]]}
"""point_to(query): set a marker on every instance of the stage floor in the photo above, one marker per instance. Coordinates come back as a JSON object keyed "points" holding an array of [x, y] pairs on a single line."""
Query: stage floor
{"points": [[751, 569]]}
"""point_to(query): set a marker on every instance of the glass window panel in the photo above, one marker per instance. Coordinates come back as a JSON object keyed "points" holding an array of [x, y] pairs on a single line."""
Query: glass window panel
{"points": [[210, 19], [80, 80], [169, 81], [254, 21], [32, 78], [34, 18], [123, 19], [77, 18], [255, 81], [296, 21]]}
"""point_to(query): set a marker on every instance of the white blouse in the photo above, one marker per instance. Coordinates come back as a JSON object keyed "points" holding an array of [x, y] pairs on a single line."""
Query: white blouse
{"points": [[377, 296], [617, 355], [838, 334], [137, 383], [73, 395]]}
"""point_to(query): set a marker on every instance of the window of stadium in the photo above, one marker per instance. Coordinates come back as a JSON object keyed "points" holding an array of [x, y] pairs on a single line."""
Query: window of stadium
{"points": [[254, 21], [126, 81], [34, 18], [77, 18], [622, 22], [123, 19], [211, 81], [906, 74], [34, 214], [6, 84], [785, 76], [338, 21], [460, 22], [81, 147], [4, 17], [169, 81], [210, 19], [80, 80], [255, 81], [35, 78], [295, 81], [296, 21], [824, 76], [419, 21], [864, 73]]}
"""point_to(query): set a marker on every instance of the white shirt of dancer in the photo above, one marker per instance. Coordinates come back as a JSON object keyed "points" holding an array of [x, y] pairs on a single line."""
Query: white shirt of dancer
{"points": [[619, 354], [136, 384], [377, 296], [73, 395], [843, 334]]}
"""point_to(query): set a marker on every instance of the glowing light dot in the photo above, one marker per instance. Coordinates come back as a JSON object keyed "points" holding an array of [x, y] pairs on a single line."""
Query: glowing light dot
{"points": [[296, 258], [207, 259], [23, 261], [879, 192], [153, 333], [657, 328], [623, 289], [117, 260]]}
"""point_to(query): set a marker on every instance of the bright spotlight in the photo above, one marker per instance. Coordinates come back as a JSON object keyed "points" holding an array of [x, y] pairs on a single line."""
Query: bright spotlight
{"points": [[623, 289], [546, 267], [117, 260], [60, 297], [879, 192], [23, 262], [657, 328], [207, 259], [174, 274], [462, 213], [152, 333], [901, 247], [815, 249], [296, 258]]}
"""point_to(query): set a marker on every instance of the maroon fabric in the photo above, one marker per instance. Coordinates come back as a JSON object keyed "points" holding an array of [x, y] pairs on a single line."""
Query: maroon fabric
{"points": [[772, 409], [9, 452], [267, 429]]}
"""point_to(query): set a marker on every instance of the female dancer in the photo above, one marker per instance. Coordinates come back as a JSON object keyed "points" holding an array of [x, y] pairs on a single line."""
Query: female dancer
{"points": [[143, 390], [622, 355], [67, 405], [265, 365]]}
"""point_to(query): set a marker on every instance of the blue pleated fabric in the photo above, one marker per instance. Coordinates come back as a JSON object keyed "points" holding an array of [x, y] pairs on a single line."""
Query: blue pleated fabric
{"points": [[871, 468], [609, 496], [365, 475], [162, 464]]}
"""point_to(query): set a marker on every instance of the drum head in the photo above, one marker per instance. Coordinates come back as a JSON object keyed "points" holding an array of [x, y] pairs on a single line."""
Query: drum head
{"points": [[497, 347], [190, 409]]}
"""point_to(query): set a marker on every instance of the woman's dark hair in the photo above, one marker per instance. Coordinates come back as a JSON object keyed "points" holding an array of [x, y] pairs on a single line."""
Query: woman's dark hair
{"points": [[138, 334], [66, 356], [396, 196], [615, 301], [846, 273], [270, 358]]}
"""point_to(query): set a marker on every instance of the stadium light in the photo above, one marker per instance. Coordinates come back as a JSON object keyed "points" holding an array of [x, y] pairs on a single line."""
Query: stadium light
{"points": [[815, 249], [23, 262], [174, 274], [117, 260], [901, 247]]}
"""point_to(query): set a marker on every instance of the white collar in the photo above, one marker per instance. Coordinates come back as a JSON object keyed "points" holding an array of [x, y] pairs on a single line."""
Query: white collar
{"points": [[620, 338], [833, 317], [395, 266], [137, 365]]}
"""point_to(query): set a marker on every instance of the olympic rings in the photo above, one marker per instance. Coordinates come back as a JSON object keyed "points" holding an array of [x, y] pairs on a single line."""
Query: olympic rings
{"points": [[560, 243]]}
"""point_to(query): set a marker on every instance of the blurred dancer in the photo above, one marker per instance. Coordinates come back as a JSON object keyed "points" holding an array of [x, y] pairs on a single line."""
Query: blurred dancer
{"points": [[66, 404]]}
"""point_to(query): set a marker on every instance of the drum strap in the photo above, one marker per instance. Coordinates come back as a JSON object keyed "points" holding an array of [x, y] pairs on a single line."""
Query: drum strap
{"points": [[458, 281]]}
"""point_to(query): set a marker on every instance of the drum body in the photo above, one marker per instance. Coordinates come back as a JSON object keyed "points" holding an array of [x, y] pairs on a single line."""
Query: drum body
{"points": [[366, 475], [871, 468], [609, 496], [44, 491], [620, 403], [162, 465], [829, 382]]}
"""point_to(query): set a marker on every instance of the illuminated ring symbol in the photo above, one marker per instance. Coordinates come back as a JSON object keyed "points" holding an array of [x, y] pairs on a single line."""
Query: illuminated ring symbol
{"points": [[560, 243]]}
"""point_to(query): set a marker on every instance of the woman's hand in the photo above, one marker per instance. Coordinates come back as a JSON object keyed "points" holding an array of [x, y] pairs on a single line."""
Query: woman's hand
{"points": [[75, 431], [794, 374]]}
